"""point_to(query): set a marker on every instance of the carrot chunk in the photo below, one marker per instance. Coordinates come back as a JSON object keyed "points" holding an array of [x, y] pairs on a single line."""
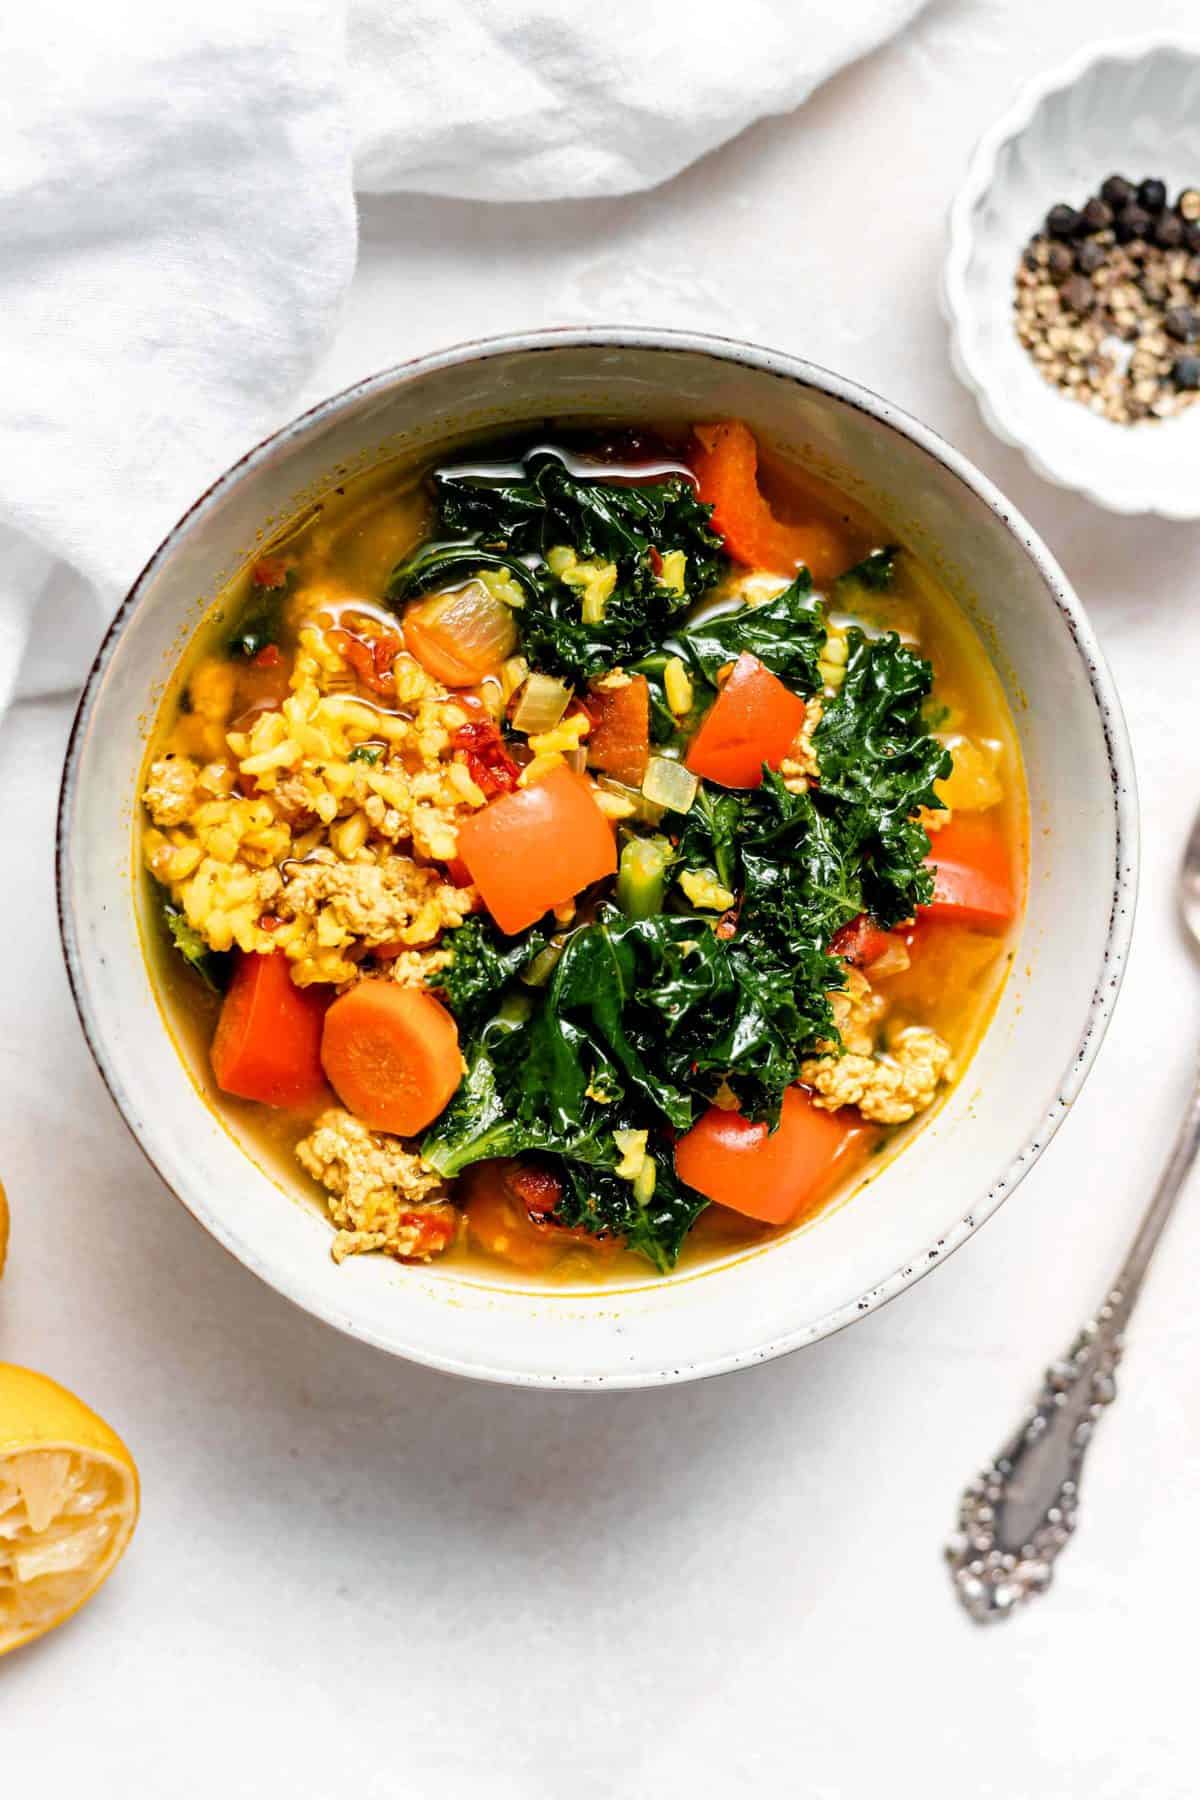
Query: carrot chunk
{"points": [[753, 720], [391, 1054], [973, 875], [536, 848], [267, 1043], [726, 465], [772, 1176]]}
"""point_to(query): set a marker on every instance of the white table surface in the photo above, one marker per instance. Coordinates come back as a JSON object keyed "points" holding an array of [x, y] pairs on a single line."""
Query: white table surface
{"points": [[353, 1576]]}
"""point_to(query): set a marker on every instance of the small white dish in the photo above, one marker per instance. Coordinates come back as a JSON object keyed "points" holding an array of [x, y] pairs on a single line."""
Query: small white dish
{"points": [[1131, 108]]}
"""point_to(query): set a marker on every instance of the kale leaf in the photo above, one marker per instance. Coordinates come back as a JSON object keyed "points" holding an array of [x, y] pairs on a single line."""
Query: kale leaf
{"points": [[214, 967], [482, 965], [438, 568], [640, 1020], [604, 1203], [875, 572], [554, 505], [878, 765], [633, 526], [786, 633]]}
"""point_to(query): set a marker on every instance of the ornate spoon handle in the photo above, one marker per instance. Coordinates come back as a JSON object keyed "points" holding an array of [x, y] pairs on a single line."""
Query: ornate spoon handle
{"points": [[1016, 1518]]}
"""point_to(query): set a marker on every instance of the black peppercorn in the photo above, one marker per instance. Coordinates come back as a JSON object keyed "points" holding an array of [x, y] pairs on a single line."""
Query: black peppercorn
{"points": [[1152, 195], [1062, 221], [1132, 222], [1182, 323], [1117, 191], [1097, 215], [1059, 262], [1186, 373], [1078, 294], [1168, 231], [1089, 257]]}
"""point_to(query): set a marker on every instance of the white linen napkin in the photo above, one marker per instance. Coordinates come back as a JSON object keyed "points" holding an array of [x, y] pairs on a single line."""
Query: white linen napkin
{"points": [[177, 222]]}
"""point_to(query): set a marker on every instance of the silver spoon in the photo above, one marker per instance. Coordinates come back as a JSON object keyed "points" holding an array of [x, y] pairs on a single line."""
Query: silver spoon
{"points": [[1017, 1518]]}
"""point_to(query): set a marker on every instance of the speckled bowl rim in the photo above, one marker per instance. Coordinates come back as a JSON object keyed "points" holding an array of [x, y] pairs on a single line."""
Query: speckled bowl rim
{"points": [[956, 305], [1058, 592]]}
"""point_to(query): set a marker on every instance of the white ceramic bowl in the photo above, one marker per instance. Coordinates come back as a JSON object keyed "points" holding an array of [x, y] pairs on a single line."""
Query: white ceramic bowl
{"points": [[954, 1173], [1131, 108]]}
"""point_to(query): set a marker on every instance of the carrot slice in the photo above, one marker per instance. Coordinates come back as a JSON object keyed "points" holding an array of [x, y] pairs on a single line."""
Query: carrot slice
{"points": [[753, 720], [772, 1176], [536, 848], [391, 1054], [973, 875], [620, 736], [726, 465], [267, 1043]]}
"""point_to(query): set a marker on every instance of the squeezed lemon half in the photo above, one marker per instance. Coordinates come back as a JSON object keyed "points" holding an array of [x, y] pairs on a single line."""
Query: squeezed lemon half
{"points": [[68, 1504]]}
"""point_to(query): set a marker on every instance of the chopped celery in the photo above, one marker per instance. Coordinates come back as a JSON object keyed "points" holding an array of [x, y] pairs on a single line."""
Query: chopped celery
{"points": [[642, 876]]}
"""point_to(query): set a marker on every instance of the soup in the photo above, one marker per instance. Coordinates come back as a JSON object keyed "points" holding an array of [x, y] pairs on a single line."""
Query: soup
{"points": [[586, 856]]}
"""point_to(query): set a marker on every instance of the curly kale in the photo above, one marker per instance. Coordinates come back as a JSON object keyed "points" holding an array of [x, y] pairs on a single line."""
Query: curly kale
{"points": [[875, 572], [214, 967], [878, 765], [786, 634], [643, 1017], [634, 526], [482, 964]]}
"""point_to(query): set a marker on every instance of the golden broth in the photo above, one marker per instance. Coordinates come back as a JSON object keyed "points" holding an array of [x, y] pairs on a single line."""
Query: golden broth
{"points": [[343, 552]]}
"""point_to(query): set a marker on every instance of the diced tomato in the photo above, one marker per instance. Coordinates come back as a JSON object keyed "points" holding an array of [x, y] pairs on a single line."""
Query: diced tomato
{"points": [[861, 942], [269, 572], [726, 463], [753, 720], [537, 847], [619, 743], [488, 763], [458, 872], [973, 874], [267, 1045], [436, 1228], [539, 1189], [370, 658], [501, 1202], [772, 1176], [261, 685]]}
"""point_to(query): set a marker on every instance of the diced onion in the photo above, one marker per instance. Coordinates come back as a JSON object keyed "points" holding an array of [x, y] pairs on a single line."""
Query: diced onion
{"points": [[544, 700], [464, 626], [642, 808], [667, 783]]}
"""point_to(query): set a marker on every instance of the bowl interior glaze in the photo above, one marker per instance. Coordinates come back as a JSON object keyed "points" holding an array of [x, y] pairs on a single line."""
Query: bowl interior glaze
{"points": [[922, 1204]]}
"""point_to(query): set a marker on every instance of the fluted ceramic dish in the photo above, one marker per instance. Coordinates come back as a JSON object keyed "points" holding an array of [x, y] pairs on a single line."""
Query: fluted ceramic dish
{"points": [[1131, 108], [915, 1210]]}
